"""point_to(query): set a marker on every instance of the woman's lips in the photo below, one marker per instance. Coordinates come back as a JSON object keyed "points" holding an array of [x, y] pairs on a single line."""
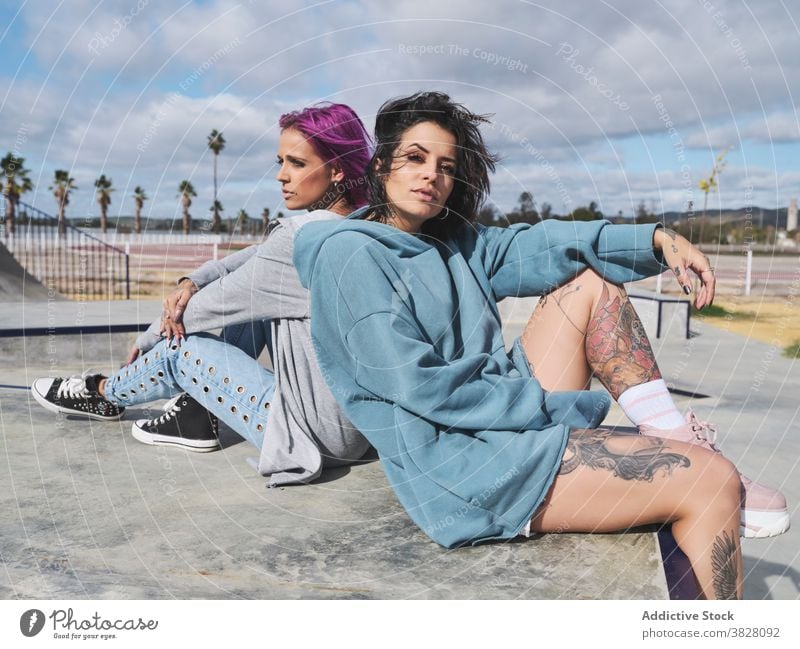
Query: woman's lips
{"points": [[424, 194]]}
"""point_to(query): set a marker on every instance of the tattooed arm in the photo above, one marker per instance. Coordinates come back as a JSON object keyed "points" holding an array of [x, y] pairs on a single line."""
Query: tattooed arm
{"points": [[680, 256]]}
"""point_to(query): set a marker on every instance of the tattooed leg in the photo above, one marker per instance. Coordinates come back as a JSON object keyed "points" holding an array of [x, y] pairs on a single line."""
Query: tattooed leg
{"points": [[592, 448], [725, 566], [588, 327], [610, 482], [617, 348]]}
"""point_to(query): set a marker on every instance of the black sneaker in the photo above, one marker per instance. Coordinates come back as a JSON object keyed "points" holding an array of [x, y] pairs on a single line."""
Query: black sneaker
{"points": [[76, 395], [185, 423]]}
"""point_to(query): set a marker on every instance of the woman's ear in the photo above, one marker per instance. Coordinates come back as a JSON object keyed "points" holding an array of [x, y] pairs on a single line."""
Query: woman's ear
{"points": [[337, 174]]}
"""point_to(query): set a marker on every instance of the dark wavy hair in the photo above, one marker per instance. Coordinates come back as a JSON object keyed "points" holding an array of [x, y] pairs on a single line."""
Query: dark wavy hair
{"points": [[474, 162]]}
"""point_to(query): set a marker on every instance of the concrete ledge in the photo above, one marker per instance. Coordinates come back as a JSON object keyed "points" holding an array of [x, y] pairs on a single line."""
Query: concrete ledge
{"points": [[91, 513]]}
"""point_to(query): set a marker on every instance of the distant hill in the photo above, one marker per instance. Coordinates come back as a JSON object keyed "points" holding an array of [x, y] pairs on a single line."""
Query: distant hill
{"points": [[757, 215]]}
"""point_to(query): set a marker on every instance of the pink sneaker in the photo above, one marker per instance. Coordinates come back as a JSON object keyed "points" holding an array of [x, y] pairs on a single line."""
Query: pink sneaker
{"points": [[765, 512]]}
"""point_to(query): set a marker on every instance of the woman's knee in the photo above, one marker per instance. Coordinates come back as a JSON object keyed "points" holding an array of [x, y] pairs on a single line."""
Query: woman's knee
{"points": [[719, 480]]}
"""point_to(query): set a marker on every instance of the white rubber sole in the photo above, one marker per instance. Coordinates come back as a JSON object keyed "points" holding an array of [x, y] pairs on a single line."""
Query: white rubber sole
{"points": [[47, 405], [196, 445], [762, 525]]}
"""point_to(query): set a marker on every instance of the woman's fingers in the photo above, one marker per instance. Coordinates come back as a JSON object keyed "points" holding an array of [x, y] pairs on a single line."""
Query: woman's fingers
{"points": [[683, 278], [180, 305], [132, 355]]}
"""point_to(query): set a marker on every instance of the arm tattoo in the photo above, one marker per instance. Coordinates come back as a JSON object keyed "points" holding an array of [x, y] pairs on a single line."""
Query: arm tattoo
{"points": [[672, 235], [588, 448], [724, 566], [617, 348]]}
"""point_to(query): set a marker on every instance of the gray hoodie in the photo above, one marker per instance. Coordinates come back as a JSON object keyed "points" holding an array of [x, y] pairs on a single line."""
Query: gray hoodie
{"points": [[306, 429]]}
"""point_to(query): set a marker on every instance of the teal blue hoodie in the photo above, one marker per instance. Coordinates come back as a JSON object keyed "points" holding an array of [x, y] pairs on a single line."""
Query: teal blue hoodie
{"points": [[408, 336]]}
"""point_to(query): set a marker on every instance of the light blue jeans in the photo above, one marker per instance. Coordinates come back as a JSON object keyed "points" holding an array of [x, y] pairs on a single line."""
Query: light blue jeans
{"points": [[220, 372]]}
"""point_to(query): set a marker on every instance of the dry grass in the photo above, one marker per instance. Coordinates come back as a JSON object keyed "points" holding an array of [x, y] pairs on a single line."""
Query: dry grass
{"points": [[771, 320]]}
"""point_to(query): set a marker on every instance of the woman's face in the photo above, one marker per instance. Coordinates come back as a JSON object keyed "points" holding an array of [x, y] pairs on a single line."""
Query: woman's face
{"points": [[420, 179], [305, 178]]}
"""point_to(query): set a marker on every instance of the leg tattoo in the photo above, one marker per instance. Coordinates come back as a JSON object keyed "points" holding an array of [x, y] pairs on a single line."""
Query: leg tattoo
{"points": [[588, 448], [724, 566], [617, 347], [558, 296]]}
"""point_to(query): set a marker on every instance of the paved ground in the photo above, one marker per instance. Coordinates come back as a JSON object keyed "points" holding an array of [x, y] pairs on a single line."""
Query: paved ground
{"points": [[92, 513]]}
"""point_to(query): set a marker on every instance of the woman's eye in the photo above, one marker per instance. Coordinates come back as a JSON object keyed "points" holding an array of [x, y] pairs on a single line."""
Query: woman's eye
{"points": [[415, 157], [448, 169], [298, 164]]}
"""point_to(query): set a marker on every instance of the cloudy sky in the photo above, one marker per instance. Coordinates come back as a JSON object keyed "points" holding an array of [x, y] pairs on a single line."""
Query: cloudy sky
{"points": [[615, 101]]}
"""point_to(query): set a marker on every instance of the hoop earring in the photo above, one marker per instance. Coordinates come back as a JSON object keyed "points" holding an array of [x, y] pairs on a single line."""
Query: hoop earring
{"points": [[446, 214]]}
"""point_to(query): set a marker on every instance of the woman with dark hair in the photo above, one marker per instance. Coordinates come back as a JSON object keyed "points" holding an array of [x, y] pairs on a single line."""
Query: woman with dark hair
{"points": [[482, 444], [289, 414]]}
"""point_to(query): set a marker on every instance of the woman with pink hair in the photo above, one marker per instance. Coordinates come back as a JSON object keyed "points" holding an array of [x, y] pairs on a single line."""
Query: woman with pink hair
{"points": [[255, 294]]}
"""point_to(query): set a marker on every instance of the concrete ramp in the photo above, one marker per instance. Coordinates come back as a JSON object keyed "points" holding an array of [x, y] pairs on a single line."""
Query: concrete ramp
{"points": [[16, 284]]}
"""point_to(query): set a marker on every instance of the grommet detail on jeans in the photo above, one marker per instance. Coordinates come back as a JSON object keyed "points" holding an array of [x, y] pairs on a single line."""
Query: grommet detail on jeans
{"points": [[126, 373], [211, 370], [146, 361], [116, 378], [153, 379], [198, 361], [174, 347], [246, 418], [141, 385], [186, 354], [233, 409], [133, 391], [158, 354], [253, 398], [226, 380], [240, 389], [194, 380], [124, 395], [259, 427], [220, 400], [135, 367], [183, 373], [160, 374], [266, 405], [205, 388]]}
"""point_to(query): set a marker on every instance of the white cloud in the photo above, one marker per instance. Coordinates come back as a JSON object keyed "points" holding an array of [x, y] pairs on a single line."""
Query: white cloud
{"points": [[145, 95]]}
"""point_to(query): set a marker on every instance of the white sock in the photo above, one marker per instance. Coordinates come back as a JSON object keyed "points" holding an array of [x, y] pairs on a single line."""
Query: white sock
{"points": [[651, 403]]}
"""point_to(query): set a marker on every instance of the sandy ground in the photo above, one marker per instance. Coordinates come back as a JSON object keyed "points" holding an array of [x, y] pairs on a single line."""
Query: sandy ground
{"points": [[775, 320]]}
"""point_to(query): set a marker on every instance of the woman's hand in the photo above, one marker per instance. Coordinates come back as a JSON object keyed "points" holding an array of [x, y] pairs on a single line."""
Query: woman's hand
{"points": [[174, 306], [680, 256], [175, 303]]}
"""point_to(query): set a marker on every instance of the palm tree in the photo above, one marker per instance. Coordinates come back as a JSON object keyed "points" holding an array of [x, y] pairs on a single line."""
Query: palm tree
{"points": [[265, 218], [16, 183], [216, 210], [62, 185], [216, 143], [104, 190], [186, 192], [139, 198], [711, 183], [241, 220]]}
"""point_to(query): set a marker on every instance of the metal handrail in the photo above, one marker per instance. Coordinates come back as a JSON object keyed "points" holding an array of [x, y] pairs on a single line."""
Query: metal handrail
{"points": [[60, 259]]}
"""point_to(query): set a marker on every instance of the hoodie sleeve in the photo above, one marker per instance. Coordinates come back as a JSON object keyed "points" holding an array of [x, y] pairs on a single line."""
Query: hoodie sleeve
{"points": [[216, 268], [265, 286], [525, 260]]}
